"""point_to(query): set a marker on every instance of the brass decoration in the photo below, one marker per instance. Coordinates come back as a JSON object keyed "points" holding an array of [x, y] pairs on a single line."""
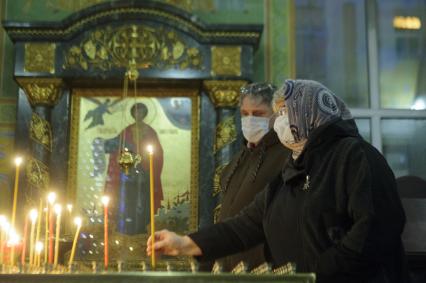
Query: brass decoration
{"points": [[264, 268], [224, 93], [149, 47], [186, 24], [240, 268], [226, 133], [40, 131], [216, 213], [226, 60], [45, 91], [128, 159], [216, 180], [286, 269], [37, 174], [217, 267], [39, 57]]}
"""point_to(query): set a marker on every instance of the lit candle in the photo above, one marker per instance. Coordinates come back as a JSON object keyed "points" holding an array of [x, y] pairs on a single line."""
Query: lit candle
{"points": [[24, 242], [46, 231], [38, 249], [69, 208], [58, 210], [105, 201], [3, 222], [33, 217], [51, 198], [39, 219], [13, 241], [77, 222], [18, 161], [151, 197]]}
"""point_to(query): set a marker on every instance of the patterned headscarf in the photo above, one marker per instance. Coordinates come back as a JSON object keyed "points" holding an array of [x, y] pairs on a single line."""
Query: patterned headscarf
{"points": [[310, 105]]}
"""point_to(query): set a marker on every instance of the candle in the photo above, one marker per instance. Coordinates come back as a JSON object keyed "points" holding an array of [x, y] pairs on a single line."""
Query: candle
{"points": [[77, 222], [51, 198], [69, 208], [105, 201], [13, 241], [58, 210], [46, 231], [18, 161], [151, 196], [24, 242], [38, 249], [2, 235], [33, 217], [39, 219]]}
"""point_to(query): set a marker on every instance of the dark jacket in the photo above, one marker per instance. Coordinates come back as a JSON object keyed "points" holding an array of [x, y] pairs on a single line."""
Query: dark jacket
{"points": [[247, 174], [335, 211]]}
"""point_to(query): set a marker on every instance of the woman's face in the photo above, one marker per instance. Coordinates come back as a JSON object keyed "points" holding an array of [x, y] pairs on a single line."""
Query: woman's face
{"points": [[252, 107]]}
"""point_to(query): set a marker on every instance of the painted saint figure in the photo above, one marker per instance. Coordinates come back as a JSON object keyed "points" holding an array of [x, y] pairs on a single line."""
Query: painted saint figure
{"points": [[130, 192]]}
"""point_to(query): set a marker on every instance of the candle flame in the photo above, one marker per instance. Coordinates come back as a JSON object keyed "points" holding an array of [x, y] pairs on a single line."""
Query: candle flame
{"points": [[18, 160], [51, 198], [13, 238], [33, 214], [78, 221], [69, 207], [2, 220], [6, 226], [39, 247], [105, 200], [150, 149], [58, 208]]}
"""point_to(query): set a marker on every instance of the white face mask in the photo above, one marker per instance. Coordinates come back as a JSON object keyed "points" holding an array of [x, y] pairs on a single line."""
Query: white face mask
{"points": [[282, 128], [254, 128]]}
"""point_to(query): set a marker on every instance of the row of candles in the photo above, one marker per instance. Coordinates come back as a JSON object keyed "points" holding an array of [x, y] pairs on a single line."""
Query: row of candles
{"points": [[9, 236]]}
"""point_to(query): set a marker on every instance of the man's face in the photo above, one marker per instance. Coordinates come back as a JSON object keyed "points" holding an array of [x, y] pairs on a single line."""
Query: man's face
{"points": [[139, 114]]}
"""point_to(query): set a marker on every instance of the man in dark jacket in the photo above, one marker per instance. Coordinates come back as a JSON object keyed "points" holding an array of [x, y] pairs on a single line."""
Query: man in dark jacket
{"points": [[335, 210], [257, 163]]}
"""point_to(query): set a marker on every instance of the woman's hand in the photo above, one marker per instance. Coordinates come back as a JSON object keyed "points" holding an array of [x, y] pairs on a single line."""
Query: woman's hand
{"points": [[169, 243]]}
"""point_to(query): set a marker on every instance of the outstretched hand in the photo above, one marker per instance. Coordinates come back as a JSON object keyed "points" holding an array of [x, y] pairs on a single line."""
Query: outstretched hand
{"points": [[169, 243]]}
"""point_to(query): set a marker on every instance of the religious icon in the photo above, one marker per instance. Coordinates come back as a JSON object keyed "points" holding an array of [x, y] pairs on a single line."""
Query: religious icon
{"points": [[107, 124], [131, 189]]}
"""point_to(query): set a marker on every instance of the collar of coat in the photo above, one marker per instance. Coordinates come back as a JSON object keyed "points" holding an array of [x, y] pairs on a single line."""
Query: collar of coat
{"points": [[324, 137]]}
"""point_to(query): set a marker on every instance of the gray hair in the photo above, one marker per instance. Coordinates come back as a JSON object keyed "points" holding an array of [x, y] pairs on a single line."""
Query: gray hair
{"points": [[261, 92]]}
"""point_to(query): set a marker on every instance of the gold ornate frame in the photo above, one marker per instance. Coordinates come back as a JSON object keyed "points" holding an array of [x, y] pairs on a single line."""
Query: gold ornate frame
{"points": [[192, 93]]}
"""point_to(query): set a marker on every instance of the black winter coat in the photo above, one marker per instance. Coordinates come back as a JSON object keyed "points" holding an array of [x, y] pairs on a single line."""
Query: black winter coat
{"points": [[335, 211], [246, 175]]}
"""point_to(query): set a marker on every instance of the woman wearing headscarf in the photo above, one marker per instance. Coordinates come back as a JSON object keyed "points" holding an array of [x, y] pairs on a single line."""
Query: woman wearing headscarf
{"points": [[257, 163], [334, 210]]}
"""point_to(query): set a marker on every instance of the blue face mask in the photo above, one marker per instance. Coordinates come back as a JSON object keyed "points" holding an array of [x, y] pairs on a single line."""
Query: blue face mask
{"points": [[254, 128]]}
